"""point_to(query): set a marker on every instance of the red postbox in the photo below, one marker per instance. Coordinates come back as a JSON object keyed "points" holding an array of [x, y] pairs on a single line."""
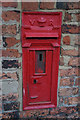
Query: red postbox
{"points": [[41, 36]]}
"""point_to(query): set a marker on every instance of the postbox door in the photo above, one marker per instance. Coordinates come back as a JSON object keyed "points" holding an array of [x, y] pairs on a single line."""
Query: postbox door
{"points": [[39, 85]]}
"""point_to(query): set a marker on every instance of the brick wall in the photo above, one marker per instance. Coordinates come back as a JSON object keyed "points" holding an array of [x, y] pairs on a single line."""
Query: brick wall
{"points": [[11, 59]]}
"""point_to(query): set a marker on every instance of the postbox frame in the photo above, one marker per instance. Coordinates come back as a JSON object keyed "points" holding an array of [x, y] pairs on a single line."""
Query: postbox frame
{"points": [[55, 64]]}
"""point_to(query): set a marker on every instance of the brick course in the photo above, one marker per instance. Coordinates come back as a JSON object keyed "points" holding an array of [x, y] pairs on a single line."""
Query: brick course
{"points": [[30, 5], [56, 113], [10, 4]]}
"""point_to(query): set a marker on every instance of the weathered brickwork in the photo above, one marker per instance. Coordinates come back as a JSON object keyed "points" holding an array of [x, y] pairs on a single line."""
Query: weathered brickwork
{"points": [[10, 4], [56, 113], [11, 54]]}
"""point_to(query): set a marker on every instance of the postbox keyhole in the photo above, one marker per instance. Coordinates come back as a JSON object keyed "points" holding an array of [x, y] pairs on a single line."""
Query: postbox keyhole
{"points": [[35, 81], [40, 57]]}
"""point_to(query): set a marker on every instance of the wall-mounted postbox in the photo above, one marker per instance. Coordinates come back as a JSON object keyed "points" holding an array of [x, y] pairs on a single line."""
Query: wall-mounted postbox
{"points": [[41, 36]]}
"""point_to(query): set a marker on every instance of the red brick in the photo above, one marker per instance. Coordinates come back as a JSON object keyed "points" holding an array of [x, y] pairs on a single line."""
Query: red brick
{"points": [[77, 15], [66, 40], [61, 61], [64, 72], [9, 29], [73, 100], [75, 61], [10, 42], [67, 17], [10, 53], [66, 82], [9, 75], [69, 72], [77, 81], [30, 5], [10, 4], [69, 52], [68, 91], [74, 29], [73, 5], [47, 5], [10, 15]]}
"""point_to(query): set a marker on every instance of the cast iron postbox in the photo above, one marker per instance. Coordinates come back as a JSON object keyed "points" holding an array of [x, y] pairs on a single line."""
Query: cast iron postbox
{"points": [[41, 36]]}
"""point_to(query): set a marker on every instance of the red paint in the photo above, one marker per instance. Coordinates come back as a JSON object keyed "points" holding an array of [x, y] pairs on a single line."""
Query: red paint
{"points": [[41, 36]]}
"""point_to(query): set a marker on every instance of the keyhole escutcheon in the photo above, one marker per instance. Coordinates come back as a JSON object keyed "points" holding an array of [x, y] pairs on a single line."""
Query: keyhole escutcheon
{"points": [[35, 81]]}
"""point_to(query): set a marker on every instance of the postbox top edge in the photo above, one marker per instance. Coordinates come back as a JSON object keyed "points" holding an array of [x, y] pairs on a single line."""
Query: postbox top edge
{"points": [[40, 12]]}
